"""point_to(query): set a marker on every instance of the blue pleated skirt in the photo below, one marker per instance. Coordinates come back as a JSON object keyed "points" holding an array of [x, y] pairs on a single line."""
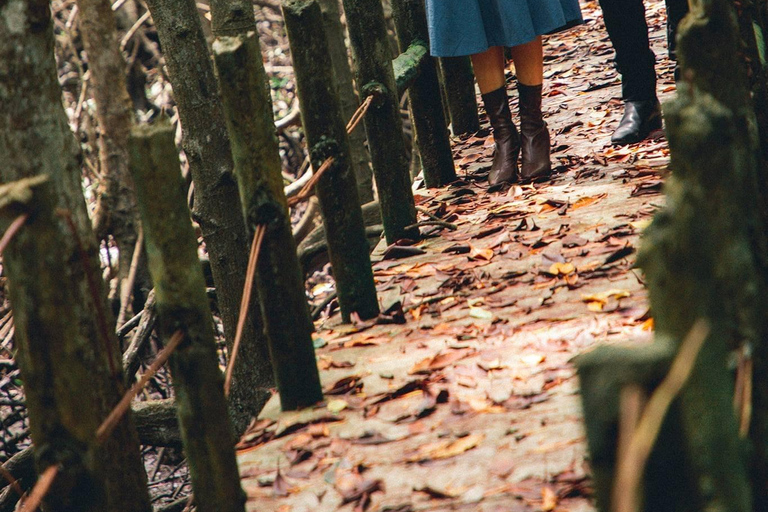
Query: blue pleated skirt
{"points": [[465, 27]]}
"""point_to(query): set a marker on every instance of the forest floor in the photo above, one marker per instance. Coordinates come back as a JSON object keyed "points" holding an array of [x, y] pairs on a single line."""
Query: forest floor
{"points": [[472, 402]]}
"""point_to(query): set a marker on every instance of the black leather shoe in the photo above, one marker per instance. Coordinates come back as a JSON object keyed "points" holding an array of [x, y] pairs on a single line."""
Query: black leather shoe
{"points": [[640, 119]]}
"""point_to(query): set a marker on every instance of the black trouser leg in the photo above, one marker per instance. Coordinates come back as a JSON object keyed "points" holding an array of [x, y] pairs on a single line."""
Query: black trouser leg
{"points": [[625, 22], [676, 11]]}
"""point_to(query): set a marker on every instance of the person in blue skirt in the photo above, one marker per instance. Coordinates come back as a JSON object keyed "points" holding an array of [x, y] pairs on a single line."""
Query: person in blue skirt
{"points": [[482, 29]]}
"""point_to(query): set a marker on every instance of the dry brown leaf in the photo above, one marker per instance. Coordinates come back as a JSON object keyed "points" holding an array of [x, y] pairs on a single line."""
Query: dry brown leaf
{"points": [[586, 201], [561, 269], [445, 449], [548, 499], [439, 361], [476, 253], [647, 325]]}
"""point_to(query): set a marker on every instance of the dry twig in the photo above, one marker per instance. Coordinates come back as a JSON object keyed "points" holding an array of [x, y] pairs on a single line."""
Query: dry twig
{"points": [[631, 465], [120, 409], [245, 300]]}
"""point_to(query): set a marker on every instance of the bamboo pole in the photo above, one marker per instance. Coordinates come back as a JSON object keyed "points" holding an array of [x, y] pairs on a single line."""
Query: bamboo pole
{"points": [[248, 110], [182, 305]]}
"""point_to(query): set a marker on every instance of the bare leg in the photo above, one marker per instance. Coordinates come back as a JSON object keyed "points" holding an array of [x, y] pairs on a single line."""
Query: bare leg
{"points": [[489, 69], [529, 62], [529, 68]]}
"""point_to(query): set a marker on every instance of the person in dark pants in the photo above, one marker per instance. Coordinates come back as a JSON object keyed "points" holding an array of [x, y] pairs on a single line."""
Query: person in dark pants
{"points": [[628, 31]]}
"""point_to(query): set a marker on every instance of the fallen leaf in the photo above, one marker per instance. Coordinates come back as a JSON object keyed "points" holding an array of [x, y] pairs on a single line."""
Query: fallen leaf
{"points": [[345, 385], [435, 494], [548, 499], [574, 241], [439, 361], [476, 253], [647, 325], [337, 405], [533, 359], [481, 313], [640, 225], [280, 487], [561, 269], [586, 201], [445, 449]]}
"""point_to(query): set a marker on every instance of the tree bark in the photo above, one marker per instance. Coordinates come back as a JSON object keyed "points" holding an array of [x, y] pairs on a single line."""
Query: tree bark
{"points": [[459, 83], [68, 352], [217, 203], [348, 98], [424, 98], [704, 251], [327, 137], [248, 110], [116, 203], [383, 126], [182, 305]]}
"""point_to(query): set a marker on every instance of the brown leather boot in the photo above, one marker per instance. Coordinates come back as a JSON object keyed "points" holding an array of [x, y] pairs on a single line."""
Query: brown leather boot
{"points": [[504, 167], [534, 135]]}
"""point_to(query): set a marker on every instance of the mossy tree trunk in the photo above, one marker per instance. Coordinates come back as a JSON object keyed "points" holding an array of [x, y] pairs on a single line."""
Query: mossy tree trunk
{"points": [[67, 350], [459, 81], [383, 126], [703, 258], [217, 203], [327, 137], [348, 97], [424, 98], [116, 212], [182, 305], [280, 285]]}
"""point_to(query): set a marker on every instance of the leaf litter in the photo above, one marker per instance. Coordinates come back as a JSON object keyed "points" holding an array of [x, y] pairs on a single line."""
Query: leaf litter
{"points": [[463, 394]]}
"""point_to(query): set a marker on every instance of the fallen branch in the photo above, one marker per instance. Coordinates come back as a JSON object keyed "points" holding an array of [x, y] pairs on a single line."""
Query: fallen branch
{"points": [[117, 413]]}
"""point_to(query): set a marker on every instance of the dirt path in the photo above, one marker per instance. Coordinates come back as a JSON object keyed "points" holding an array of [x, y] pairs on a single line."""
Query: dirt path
{"points": [[472, 404]]}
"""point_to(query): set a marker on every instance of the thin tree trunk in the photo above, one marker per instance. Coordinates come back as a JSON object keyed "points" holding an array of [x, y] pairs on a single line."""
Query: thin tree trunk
{"points": [[425, 103], [67, 350], [182, 305], [383, 126], [460, 91], [279, 281], [116, 204], [348, 98], [217, 203], [327, 137]]}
